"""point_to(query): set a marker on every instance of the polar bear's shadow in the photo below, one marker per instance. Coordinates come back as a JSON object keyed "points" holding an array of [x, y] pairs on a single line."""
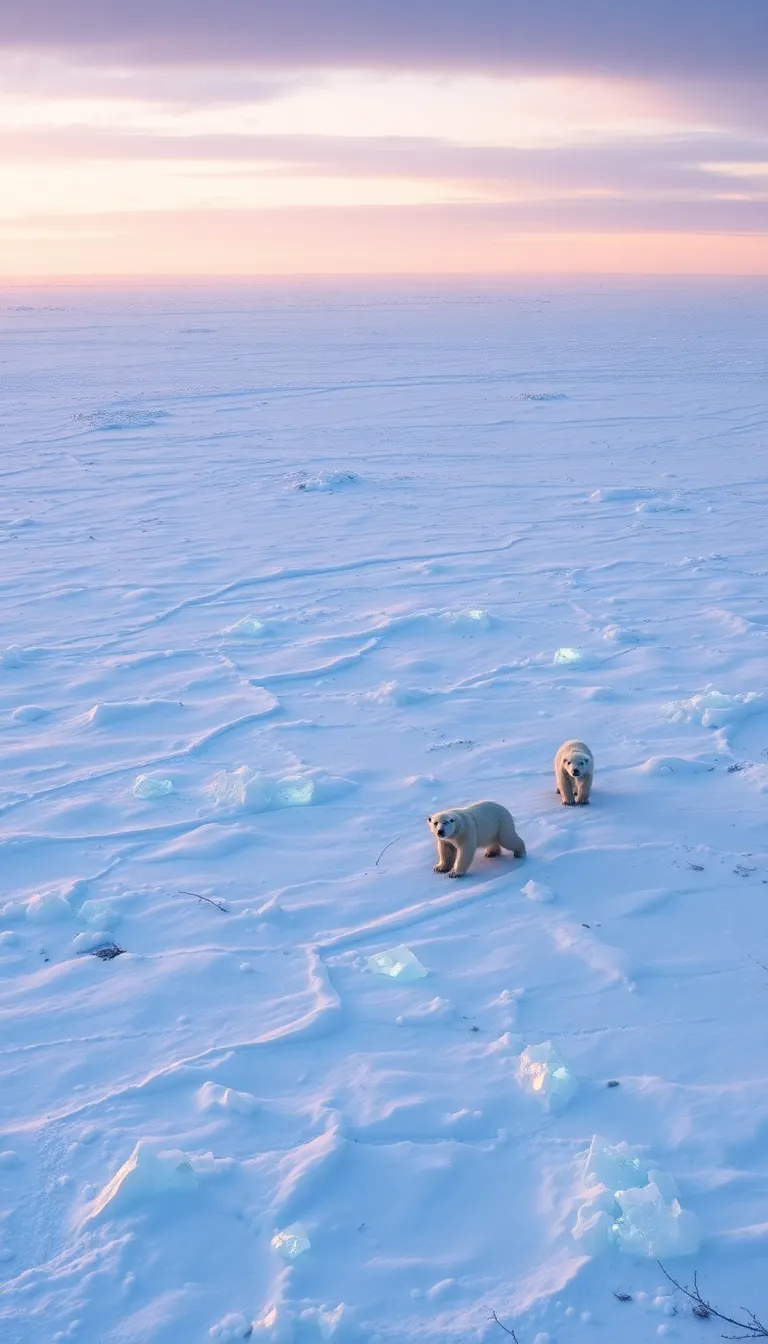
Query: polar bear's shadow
{"points": [[484, 871]]}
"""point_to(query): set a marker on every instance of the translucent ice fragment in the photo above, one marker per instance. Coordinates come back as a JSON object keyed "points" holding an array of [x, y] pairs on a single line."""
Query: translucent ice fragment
{"points": [[399, 964], [542, 1072], [249, 628], [291, 1242], [474, 616], [294, 791], [665, 1183], [228, 787], [146, 1173], [652, 1228], [568, 656], [257, 793], [594, 1222], [614, 1165], [239, 788], [149, 786]]}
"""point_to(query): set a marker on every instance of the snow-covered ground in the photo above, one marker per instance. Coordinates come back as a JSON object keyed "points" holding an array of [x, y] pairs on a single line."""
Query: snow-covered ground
{"points": [[305, 561]]}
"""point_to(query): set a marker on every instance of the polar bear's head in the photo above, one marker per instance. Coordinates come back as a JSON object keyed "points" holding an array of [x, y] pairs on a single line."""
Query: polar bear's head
{"points": [[444, 824], [577, 764]]}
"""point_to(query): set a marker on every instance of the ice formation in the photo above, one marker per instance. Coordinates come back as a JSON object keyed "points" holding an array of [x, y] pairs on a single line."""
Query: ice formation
{"points": [[149, 786], [542, 1072], [614, 1165], [148, 1171], [241, 788], [654, 1227], [632, 1208], [470, 616], [566, 656], [291, 1242], [313, 1325], [713, 709], [399, 964], [293, 791], [256, 792], [250, 627]]}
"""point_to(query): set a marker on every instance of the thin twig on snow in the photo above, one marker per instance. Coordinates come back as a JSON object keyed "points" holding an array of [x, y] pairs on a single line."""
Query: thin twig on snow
{"points": [[207, 899], [752, 1327], [505, 1328], [386, 847]]}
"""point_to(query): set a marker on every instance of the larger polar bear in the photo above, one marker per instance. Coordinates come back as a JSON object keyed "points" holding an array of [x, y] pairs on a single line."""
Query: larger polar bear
{"points": [[460, 830]]}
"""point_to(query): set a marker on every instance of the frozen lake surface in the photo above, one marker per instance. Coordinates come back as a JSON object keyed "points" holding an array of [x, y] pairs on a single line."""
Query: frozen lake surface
{"points": [[283, 573]]}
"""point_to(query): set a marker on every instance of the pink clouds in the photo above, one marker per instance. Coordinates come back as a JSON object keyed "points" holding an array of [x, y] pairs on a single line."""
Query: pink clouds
{"points": [[321, 134]]}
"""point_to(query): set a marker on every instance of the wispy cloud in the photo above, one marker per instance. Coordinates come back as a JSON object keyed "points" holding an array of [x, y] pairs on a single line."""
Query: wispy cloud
{"points": [[694, 37], [489, 124]]}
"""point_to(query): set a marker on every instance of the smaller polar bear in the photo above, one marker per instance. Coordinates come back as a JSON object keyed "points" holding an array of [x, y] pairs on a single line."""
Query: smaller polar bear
{"points": [[460, 830], [574, 769]]}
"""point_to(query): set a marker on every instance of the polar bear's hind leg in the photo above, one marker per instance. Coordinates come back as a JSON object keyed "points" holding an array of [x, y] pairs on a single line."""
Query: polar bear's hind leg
{"points": [[510, 839]]}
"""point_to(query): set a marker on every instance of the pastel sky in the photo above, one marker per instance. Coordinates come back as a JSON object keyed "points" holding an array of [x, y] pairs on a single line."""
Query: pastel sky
{"points": [[266, 137]]}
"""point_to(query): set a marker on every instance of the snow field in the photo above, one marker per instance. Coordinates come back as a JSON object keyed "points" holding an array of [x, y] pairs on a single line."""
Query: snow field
{"points": [[281, 575]]}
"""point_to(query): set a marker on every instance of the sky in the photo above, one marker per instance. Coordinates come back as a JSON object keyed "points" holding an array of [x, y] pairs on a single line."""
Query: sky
{"points": [[163, 138]]}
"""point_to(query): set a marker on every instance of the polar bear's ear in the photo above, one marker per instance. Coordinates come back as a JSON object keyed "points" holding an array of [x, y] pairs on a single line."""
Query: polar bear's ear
{"points": [[429, 818]]}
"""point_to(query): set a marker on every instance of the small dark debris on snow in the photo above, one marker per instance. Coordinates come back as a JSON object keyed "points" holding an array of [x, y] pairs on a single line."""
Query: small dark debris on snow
{"points": [[696, 867], [586, 926], [741, 870], [106, 952], [623, 1297], [613, 1082], [735, 768], [701, 1311], [474, 1028]]}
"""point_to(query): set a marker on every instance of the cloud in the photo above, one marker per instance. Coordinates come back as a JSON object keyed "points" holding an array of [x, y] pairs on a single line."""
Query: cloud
{"points": [[652, 38], [675, 161]]}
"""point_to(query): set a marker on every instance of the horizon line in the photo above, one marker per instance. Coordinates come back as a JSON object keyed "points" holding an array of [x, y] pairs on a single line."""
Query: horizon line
{"points": [[126, 280]]}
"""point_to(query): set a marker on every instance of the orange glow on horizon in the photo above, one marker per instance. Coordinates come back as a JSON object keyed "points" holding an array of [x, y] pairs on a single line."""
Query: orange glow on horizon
{"points": [[345, 173], [330, 243]]}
